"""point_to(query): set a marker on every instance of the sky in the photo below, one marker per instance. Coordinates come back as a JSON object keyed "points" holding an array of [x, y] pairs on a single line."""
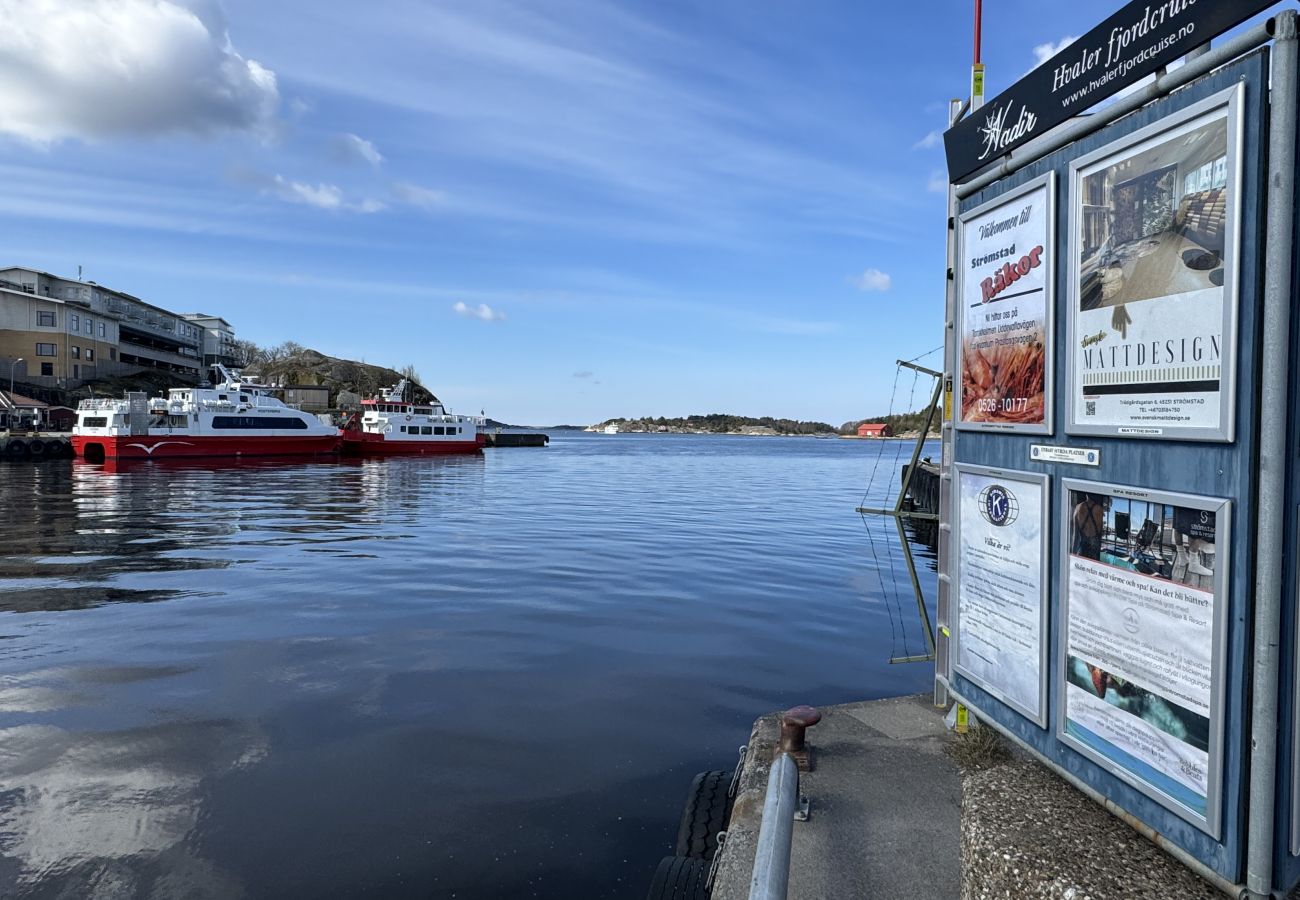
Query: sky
{"points": [[559, 211]]}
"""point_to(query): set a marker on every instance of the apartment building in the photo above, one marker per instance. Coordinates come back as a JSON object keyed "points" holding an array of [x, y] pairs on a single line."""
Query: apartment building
{"points": [[62, 331], [218, 339], [46, 340]]}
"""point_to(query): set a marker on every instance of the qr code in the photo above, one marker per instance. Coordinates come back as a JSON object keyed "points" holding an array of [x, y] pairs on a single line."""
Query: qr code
{"points": [[1090, 407]]}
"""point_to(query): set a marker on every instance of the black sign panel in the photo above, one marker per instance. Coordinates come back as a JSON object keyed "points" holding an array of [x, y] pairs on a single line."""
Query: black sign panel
{"points": [[1133, 43]]}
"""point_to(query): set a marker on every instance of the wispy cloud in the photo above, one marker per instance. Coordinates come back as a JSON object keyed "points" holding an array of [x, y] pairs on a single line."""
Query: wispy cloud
{"points": [[422, 197], [103, 68], [609, 108], [584, 375], [482, 311], [872, 280], [321, 196], [351, 148], [930, 141], [1044, 52]]}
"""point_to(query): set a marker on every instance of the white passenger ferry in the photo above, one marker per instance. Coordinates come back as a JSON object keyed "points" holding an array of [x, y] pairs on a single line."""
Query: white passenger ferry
{"points": [[233, 418], [390, 424]]}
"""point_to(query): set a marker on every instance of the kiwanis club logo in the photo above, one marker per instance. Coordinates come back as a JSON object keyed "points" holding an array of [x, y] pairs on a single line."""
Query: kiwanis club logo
{"points": [[998, 505]]}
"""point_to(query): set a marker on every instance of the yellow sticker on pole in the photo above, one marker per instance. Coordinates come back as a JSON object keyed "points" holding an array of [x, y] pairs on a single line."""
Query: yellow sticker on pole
{"points": [[976, 84], [947, 399]]}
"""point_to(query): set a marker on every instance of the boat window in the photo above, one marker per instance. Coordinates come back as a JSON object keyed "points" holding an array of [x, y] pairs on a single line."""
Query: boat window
{"points": [[95, 422], [222, 397], [402, 429], [426, 429], [181, 421], [439, 430], [258, 423], [243, 398]]}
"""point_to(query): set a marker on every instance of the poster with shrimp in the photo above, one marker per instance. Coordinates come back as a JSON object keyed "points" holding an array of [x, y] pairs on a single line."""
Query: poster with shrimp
{"points": [[1144, 579], [1006, 286]]}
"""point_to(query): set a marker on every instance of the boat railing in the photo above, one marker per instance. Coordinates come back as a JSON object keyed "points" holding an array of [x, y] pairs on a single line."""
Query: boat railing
{"points": [[99, 403]]}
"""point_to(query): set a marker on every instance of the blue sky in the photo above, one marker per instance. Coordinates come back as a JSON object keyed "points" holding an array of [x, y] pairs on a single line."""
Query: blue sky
{"points": [[557, 210]]}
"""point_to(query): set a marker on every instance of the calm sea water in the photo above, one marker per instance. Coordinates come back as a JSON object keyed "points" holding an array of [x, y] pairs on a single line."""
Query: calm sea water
{"points": [[477, 677]]}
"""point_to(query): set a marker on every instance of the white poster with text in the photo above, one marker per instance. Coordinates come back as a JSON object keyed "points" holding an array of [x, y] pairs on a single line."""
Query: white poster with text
{"points": [[1140, 639], [1000, 587]]}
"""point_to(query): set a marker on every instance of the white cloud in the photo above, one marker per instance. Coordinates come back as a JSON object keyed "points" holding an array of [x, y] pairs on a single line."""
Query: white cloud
{"points": [[482, 311], [323, 196], [102, 68], [351, 148], [873, 280], [930, 141], [585, 375], [1044, 52], [424, 198], [938, 183]]}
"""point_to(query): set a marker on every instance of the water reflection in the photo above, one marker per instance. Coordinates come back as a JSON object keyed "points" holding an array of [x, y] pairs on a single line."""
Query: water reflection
{"points": [[414, 678]]}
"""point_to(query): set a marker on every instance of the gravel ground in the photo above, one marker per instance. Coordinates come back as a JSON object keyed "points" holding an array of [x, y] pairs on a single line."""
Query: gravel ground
{"points": [[1026, 833]]}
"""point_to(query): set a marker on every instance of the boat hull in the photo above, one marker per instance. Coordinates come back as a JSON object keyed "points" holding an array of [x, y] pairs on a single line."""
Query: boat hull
{"points": [[370, 444], [193, 446]]}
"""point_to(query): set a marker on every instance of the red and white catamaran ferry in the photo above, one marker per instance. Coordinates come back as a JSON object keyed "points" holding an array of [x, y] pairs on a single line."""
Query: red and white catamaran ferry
{"points": [[233, 418], [389, 424]]}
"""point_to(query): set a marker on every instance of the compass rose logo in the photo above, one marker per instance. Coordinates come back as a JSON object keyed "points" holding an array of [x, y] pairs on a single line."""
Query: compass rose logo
{"points": [[998, 505]]}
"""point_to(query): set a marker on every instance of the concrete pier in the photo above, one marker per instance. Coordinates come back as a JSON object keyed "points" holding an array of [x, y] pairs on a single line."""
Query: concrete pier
{"points": [[894, 814], [886, 807]]}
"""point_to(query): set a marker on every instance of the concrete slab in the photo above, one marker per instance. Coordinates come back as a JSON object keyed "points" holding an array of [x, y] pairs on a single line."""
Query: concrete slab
{"points": [[886, 807]]}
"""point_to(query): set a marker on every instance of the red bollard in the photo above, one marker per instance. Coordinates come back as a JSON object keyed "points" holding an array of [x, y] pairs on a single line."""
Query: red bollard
{"points": [[794, 722]]}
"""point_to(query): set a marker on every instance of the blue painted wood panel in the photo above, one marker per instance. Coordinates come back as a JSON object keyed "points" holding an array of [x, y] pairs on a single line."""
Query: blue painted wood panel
{"points": [[1215, 470]]}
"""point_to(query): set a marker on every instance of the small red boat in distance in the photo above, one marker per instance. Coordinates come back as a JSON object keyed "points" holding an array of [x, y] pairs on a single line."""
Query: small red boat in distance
{"points": [[389, 424]]}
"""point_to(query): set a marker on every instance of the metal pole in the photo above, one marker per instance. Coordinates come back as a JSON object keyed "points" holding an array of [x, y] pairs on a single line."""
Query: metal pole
{"points": [[772, 858], [1270, 507], [948, 436]]}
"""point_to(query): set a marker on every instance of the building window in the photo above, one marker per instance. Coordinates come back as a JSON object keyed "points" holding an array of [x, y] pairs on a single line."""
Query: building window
{"points": [[76, 371], [112, 354], [74, 322], [76, 353], [47, 349], [47, 319], [103, 330], [47, 369], [90, 326], [90, 354]]}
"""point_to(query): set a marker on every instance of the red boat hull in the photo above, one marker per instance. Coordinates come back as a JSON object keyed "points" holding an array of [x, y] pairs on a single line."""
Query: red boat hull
{"points": [[189, 447], [369, 444]]}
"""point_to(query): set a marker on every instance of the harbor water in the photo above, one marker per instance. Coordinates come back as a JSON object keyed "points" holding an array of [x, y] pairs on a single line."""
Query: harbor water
{"points": [[487, 676]]}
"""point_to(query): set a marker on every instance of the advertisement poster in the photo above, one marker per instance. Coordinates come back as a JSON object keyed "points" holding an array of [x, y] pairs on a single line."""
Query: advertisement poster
{"points": [[1144, 576], [1006, 289], [1153, 295], [1001, 579]]}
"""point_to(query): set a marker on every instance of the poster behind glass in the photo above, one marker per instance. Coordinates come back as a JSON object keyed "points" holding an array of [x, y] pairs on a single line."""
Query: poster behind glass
{"points": [[1153, 299], [1144, 577], [1006, 290], [1001, 621]]}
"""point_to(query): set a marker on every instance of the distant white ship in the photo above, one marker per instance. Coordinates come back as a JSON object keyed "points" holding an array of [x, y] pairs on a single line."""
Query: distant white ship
{"points": [[611, 429]]}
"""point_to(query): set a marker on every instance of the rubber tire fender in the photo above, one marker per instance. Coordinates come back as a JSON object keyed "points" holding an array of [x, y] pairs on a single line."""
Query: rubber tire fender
{"points": [[16, 448], [679, 878], [706, 813], [36, 447]]}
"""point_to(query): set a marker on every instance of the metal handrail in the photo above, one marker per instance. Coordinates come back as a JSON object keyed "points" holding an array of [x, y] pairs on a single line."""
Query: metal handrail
{"points": [[775, 833]]}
